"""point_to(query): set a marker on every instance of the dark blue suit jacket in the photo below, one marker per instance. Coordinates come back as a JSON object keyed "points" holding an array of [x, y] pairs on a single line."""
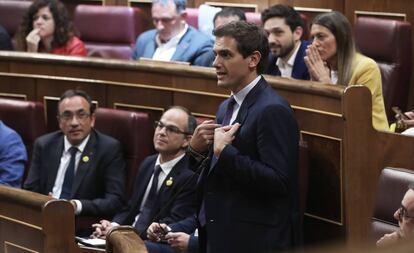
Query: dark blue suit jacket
{"points": [[251, 193], [194, 47], [99, 182], [183, 205], [299, 71]]}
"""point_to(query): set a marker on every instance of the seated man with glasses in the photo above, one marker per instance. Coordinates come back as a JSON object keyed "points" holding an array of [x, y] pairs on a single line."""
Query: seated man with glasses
{"points": [[164, 189], [405, 217], [173, 39], [78, 163]]}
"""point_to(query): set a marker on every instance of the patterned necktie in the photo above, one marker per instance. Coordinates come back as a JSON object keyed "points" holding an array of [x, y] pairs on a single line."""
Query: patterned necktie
{"points": [[144, 219], [69, 175], [229, 112]]}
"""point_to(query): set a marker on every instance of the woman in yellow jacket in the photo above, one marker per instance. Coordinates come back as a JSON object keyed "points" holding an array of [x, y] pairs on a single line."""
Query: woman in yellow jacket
{"points": [[332, 58]]}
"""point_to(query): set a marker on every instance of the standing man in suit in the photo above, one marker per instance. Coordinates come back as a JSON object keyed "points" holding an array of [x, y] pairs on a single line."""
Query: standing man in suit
{"points": [[248, 190], [174, 197], [284, 29], [78, 163], [173, 39]]}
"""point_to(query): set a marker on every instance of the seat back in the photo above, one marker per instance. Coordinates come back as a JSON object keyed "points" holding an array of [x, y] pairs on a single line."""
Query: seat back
{"points": [[393, 184], [254, 17], [109, 31], [26, 118], [392, 52], [11, 14], [134, 130], [192, 17]]}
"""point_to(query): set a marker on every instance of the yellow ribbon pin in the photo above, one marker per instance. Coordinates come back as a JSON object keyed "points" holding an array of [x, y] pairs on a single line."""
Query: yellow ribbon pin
{"points": [[85, 159], [169, 182]]}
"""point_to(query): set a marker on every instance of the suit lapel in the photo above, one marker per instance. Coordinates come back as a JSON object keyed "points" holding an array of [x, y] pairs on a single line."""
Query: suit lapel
{"points": [[165, 192], [55, 156], [86, 160], [172, 176], [242, 114], [182, 47], [144, 178], [299, 65], [249, 101], [149, 49]]}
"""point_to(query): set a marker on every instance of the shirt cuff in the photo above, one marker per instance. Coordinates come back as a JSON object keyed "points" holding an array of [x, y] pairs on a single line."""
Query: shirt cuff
{"points": [[114, 224], [196, 155], [78, 206]]}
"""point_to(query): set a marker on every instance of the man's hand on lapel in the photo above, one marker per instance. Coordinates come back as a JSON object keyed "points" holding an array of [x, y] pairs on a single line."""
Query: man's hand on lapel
{"points": [[224, 136], [203, 136]]}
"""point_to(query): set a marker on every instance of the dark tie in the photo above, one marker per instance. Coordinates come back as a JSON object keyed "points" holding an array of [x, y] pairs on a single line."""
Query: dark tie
{"points": [[69, 175], [144, 218], [229, 112]]}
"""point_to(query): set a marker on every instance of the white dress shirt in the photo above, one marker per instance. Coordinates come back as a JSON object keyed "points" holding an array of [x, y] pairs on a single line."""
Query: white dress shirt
{"points": [[165, 170], [165, 51], [286, 68], [241, 95], [63, 165]]}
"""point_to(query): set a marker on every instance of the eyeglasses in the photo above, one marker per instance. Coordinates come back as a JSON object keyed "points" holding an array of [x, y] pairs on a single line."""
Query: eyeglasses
{"points": [[403, 213], [68, 116], [169, 128]]}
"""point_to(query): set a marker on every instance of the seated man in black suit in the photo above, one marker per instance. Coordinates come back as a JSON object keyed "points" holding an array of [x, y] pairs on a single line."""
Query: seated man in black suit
{"points": [[78, 163], [165, 185]]}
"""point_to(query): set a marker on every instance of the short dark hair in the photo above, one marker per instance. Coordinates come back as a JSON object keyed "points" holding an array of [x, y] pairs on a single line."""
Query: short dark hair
{"points": [[229, 12], [75, 93], [191, 122], [249, 38], [64, 29], [292, 18]]}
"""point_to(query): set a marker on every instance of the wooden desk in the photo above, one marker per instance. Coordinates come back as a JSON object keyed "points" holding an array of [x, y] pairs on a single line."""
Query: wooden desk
{"points": [[336, 123], [31, 222]]}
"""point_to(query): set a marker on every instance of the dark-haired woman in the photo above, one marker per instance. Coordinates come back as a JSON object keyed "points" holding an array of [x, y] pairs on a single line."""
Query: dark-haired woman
{"points": [[46, 28]]}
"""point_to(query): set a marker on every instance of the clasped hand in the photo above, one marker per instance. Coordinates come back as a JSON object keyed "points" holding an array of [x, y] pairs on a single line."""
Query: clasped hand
{"points": [[224, 136], [203, 136], [317, 68]]}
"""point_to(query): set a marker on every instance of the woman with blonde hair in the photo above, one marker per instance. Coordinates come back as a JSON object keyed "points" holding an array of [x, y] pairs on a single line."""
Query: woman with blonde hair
{"points": [[332, 58]]}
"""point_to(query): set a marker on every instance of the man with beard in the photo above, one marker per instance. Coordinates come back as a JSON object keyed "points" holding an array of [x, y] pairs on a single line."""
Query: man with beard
{"points": [[284, 28]]}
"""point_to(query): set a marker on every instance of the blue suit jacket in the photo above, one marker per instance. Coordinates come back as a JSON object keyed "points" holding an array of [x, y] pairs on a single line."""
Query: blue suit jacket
{"points": [[13, 157], [194, 47], [299, 71], [251, 193], [183, 205]]}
